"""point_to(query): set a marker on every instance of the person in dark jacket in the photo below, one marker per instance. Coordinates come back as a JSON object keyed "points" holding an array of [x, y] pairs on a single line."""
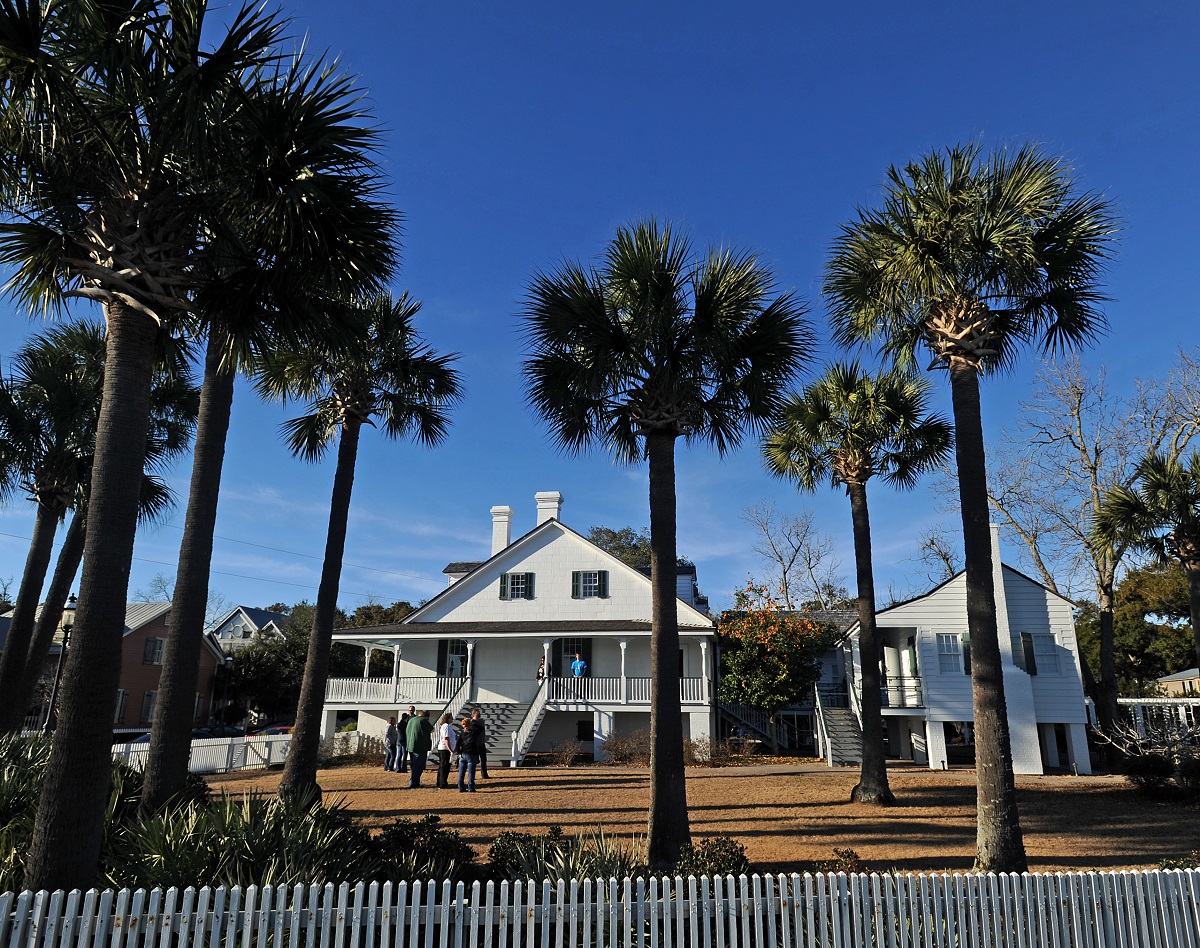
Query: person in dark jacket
{"points": [[477, 719], [468, 746], [420, 743]]}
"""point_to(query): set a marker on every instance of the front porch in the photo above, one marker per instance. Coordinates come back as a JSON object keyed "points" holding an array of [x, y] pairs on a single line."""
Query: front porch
{"points": [[561, 692]]}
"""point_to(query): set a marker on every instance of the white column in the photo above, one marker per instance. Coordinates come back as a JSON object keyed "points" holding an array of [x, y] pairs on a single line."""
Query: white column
{"points": [[602, 729], [704, 668], [1081, 755], [367, 661], [1049, 744], [470, 658], [546, 643], [624, 683], [935, 744], [396, 673]]}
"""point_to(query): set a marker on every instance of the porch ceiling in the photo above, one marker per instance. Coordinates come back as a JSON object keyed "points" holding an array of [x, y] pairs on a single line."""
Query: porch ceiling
{"points": [[386, 635]]}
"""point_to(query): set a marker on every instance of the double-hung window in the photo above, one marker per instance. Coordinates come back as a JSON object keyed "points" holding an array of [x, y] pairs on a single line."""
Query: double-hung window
{"points": [[516, 585], [152, 651], [1039, 652], [589, 584], [149, 699], [954, 653]]}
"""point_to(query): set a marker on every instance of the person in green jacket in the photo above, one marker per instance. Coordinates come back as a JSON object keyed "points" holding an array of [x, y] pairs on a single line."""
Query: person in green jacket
{"points": [[420, 742]]}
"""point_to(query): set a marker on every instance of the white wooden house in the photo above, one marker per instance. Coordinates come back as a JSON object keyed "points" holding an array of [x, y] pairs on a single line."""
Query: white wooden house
{"points": [[926, 682], [547, 595]]}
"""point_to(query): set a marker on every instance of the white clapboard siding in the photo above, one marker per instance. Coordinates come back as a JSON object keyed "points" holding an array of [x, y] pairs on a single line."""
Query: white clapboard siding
{"points": [[1142, 909]]}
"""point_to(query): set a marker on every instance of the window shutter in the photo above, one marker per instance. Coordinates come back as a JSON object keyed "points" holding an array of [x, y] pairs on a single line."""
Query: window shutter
{"points": [[555, 668], [443, 658], [1027, 651], [148, 651], [966, 652], [585, 652], [603, 584], [529, 585], [504, 585], [576, 584]]}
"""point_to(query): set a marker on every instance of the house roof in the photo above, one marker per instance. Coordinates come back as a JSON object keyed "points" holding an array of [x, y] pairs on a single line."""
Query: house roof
{"points": [[844, 619], [943, 584], [137, 614], [261, 617], [465, 566], [542, 527], [681, 569], [1181, 676]]}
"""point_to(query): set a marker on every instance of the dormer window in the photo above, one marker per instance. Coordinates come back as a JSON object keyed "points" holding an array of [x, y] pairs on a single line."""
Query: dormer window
{"points": [[516, 585], [589, 584]]}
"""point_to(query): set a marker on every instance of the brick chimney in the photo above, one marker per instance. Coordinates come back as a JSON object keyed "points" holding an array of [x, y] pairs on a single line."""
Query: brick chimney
{"points": [[549, 505], [501, 528]]}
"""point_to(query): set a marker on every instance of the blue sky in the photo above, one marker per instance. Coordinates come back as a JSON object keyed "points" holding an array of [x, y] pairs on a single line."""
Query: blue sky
{"points": [[520, 135]]}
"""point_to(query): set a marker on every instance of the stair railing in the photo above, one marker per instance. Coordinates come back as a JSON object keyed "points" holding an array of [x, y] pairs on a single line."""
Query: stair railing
{"points": [[759, 721], [523, 735], [855, 699], [826, 745], [457, 699]]}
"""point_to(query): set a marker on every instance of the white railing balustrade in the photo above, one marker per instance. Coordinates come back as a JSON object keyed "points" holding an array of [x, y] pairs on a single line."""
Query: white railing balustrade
{"points": [[1065, 910], [428, 690]]}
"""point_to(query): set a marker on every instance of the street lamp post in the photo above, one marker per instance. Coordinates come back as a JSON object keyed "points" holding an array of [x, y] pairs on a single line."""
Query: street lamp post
{"points": [[65, 625]]}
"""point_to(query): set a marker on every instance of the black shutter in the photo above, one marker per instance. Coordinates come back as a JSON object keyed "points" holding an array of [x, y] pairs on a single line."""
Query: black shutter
{"points": [[529, 585], [966, 652], [576, 584], [504, 585], [556, 658], [1027, 651], [603, 584], [443, 659], [585, 652]]}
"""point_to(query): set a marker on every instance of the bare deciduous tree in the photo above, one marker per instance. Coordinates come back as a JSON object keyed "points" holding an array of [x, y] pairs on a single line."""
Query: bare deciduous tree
{"points": [[1073, 442], [801, 562]]}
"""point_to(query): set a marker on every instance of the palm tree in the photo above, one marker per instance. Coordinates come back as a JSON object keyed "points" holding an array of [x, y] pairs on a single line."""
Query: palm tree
{"points": [[843, 430], [389, 377], [257, 301], [49, 410], [49, 406], [1160, 515], [972, 259], [651, 346], [135, 158]]}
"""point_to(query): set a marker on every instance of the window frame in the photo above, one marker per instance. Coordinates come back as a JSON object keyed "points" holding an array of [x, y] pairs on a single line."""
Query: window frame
{"points": [[949, 659]]}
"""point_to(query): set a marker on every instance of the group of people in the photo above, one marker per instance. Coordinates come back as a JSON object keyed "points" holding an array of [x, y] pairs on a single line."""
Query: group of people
{"points": [[408, 744]]}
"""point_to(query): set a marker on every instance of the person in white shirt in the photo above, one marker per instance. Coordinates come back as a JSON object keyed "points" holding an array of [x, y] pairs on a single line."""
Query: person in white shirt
{"points": [[447, 742]]}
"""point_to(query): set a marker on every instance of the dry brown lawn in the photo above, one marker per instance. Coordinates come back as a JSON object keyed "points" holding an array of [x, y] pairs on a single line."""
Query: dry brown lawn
{"points": [[788, 816]]}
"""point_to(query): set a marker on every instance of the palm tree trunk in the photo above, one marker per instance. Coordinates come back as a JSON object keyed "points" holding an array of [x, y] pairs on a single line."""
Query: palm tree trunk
{"points": [[20, 629], [65, 849], [174, 710], [1106, 705], [873, 781], [300, 771], [668, 830], [48, 622], [999, 846]]}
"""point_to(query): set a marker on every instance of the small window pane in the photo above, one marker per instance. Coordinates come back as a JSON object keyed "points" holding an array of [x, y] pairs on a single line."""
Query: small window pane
{"points": [[948, 654], [516, 585], [590, 584]]}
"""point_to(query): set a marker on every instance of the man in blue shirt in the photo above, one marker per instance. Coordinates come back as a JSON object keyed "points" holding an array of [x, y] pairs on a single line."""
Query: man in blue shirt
{"points": [[579, 666]]}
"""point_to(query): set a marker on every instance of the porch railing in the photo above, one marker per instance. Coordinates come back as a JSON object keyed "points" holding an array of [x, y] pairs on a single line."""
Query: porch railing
{"points": [[433, 690], [424, 690], [902, 692]]}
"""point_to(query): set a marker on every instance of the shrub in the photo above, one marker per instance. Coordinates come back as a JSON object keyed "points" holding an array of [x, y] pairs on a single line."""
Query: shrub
{"points": [[566, 753], [844, 860], [1149, 772], [718, 856], [1190, 861], [253, 840], [1187, 773], [422, 849], [557, 856], [632, 748]]}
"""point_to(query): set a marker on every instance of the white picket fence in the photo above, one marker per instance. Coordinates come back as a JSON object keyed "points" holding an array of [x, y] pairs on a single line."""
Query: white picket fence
{"points": [[1152, 909]]}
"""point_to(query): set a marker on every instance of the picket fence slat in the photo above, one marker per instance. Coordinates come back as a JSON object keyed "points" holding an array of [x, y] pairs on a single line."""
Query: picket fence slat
{"points": [[1128, 909]]}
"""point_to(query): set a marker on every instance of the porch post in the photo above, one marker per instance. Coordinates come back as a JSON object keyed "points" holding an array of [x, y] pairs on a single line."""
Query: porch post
{"points": [[471, 670], [704, 669], [550, 693], [624, 681], [396, 673], [367, 661]]}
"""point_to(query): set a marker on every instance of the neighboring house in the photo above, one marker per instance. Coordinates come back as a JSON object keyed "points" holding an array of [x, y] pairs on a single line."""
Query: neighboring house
{"points": [[545, 596], [1182, 684], [145, 639], [245, 624], [926, 680]]}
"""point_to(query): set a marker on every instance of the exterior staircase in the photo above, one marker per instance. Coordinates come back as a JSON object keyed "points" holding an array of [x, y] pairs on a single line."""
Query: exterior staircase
{"points": [[499, 721], [845, 737]]}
